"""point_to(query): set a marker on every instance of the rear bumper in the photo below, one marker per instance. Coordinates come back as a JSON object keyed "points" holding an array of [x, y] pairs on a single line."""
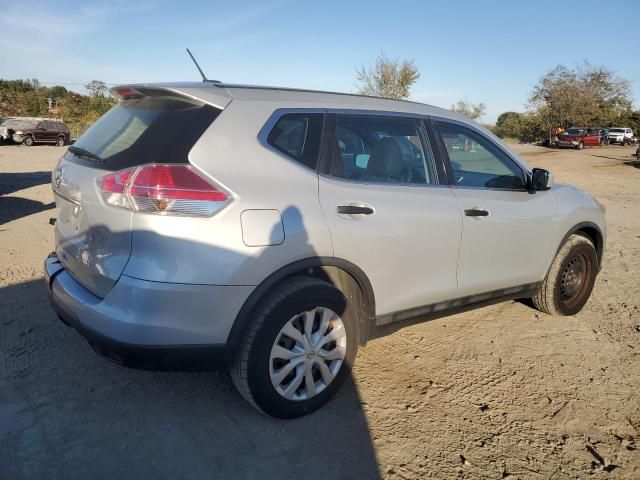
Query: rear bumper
{"points": [[145, 324]]}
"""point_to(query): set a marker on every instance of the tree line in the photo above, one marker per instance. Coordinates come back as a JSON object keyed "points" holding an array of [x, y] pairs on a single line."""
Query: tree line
{"points": [[585, 96], [29, 98]]}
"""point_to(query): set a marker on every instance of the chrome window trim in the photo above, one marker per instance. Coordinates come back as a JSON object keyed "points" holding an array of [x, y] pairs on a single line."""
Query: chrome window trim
{"points": [[279, 112], [390, 184]]}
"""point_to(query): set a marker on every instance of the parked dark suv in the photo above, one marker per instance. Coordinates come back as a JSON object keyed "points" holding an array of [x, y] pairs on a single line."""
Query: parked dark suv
{"points": [[29, 131]]}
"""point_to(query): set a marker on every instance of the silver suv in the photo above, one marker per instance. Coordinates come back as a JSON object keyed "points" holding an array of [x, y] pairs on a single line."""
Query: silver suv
{"points": [[274, 231]]}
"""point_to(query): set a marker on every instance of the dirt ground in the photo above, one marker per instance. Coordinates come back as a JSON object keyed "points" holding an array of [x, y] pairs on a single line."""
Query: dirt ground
{"points": [[499, 392]]}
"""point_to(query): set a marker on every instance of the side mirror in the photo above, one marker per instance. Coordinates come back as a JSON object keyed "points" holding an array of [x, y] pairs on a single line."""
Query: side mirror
{"points": [[541, 180]]}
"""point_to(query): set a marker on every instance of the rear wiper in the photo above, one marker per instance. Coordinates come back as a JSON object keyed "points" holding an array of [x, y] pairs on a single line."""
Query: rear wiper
{"points": [[81, 152]]}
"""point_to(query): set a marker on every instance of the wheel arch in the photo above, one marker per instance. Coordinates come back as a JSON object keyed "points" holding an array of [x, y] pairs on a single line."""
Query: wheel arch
{"points": [[346, 276], [591, 231]]}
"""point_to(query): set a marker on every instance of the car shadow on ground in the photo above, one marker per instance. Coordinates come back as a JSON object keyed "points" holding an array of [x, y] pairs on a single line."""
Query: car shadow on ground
{"points": [[633, 163], [66, 412], [12, 182], [12, 208]]}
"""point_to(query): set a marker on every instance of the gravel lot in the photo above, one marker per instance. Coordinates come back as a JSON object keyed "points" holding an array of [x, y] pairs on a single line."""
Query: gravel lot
{"points": [[499, 392]]}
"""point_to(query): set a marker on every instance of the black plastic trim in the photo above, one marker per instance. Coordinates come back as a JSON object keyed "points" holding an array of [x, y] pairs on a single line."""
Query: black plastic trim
{"points": [[307, 265], [325, 162], [387, 324], [599, 241], [445, 175], [145, 357]]}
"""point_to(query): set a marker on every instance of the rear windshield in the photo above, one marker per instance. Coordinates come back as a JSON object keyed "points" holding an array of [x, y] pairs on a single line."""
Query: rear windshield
{"points": [[152, 129]]}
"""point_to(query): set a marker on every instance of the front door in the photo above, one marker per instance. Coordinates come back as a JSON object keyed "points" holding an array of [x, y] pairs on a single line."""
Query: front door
{"points": [[508, 234], [387, 211], [43, 133]]}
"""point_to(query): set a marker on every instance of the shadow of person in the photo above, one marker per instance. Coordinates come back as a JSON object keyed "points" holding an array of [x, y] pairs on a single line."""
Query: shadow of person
{"points": [[65, 412]]}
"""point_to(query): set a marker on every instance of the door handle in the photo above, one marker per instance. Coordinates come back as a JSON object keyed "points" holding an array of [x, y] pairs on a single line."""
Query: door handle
{"points": [[354, 210], [476, 212]]}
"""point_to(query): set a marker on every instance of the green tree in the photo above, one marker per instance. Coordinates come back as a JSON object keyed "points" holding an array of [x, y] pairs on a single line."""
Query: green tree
{"points": [[584, 96], [509, 124], [631, 120], [468, 109], [96, 88], [57, 91], [387, 78]]}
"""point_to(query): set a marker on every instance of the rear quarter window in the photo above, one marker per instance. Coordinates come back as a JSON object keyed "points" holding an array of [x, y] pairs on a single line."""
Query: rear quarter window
{"points": [[297, 135]]}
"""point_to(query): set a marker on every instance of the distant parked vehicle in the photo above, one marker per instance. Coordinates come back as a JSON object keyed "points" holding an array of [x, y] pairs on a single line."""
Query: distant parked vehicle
{"points": [[29, 131], [622, 136], [578, 138], [3, 132], [604, 134]]}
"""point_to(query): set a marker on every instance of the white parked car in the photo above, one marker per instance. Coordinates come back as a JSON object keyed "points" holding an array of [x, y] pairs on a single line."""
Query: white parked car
{"points": [[623, 136], [274, 231]]}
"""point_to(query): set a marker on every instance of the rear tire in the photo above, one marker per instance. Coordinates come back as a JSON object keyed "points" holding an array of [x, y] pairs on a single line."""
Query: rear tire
{"points": [[570, 280], [28, 141], [309, 384]]}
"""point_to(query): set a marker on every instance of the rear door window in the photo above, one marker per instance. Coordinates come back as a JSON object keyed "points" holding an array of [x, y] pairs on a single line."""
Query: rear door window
{"points": [[297, 135], [160, 127], [370, 148]]}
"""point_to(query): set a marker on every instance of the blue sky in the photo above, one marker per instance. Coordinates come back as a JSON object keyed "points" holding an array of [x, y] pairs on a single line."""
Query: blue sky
{"points": [[489, 51]]}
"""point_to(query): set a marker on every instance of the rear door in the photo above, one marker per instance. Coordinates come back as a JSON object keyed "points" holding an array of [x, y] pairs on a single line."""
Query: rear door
{"points": [[508, 234], [93, 239], [386, 209], [592, 137]]}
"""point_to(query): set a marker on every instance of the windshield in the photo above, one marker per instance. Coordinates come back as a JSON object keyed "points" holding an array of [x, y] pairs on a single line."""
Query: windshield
{"points": [[616, 130], [572, 131]]}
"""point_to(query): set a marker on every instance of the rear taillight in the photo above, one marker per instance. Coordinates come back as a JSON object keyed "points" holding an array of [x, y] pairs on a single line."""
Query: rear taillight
{"points": [[162, 189]]}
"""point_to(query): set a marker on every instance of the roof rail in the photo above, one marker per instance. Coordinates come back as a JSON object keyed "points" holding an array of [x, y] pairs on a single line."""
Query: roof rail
{"points": [[35, 119], [306, 90]]}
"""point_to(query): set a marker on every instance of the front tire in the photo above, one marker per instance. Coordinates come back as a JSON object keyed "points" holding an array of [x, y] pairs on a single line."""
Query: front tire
{"points": [[570, 280], [580, 146], [28, 141], [298, 350], [60, 142]]}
